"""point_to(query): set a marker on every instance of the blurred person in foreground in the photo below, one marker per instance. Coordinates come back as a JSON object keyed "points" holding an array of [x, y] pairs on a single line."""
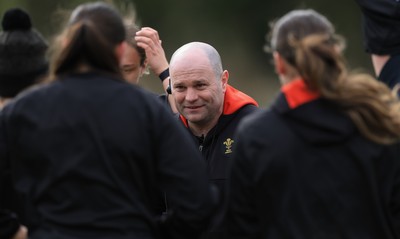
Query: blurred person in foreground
{"points": [[323, 161], [22, 64], [92, 152]]}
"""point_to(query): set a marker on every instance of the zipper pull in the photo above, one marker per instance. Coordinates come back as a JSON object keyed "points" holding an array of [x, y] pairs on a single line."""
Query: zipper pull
{"points": [[201, 147]]}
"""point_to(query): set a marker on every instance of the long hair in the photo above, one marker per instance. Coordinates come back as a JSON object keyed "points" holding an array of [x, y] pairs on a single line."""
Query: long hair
{"points": [[306, 40], [91, 36]]}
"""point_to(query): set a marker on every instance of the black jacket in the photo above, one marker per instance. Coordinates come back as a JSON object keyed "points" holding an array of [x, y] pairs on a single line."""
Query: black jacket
{"points": [[381, 26], [217, 149], [91, 154], [9, 224], [306, 172], [390, 74]]}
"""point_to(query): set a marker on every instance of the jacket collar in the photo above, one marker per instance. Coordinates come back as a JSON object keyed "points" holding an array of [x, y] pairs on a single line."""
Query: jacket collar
{"points": [[315, 120], [235, 99], [298, 93]]}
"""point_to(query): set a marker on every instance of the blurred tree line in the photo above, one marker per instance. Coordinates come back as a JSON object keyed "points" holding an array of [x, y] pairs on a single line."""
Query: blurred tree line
{"points": [[236, 28]]}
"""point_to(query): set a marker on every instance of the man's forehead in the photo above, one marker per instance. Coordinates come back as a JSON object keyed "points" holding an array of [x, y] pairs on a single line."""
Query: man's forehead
{"points": [[194, 73]]}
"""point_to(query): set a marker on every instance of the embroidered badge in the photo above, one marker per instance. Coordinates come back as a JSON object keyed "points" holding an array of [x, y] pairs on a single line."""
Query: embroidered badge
{"points": [[228, 143]]}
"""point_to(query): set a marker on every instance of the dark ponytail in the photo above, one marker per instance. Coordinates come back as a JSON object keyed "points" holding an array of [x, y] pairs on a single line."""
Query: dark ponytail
{"points": [[90, 39]]}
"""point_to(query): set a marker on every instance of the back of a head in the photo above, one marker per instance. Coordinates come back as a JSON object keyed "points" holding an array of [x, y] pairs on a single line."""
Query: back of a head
{"points": [[211, 53], [22, 53], [295, 26], [306, 40], [92, 34]]}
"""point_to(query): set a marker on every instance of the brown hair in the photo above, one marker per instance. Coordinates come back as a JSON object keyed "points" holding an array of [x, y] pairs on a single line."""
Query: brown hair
{"points": [[131, 30], [306, 40], [92, 33]]}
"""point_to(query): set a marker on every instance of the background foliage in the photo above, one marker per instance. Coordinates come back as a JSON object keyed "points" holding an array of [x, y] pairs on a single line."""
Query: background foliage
{"points": [[236, 28]]}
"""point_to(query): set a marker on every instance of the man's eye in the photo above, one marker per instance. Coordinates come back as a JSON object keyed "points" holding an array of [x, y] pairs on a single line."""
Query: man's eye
{"points": [[179, 87]]}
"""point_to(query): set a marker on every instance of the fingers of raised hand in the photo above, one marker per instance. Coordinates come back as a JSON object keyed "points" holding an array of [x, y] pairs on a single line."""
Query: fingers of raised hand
{"points": [[149, 32]]}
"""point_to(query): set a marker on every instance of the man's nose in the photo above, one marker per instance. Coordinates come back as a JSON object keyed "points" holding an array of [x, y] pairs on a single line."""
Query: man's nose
{"points": [[191, 94]]}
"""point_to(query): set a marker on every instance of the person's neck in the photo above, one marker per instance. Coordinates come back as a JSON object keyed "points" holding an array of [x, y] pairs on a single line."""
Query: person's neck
{"points": [[287, 78], [202, 129]]}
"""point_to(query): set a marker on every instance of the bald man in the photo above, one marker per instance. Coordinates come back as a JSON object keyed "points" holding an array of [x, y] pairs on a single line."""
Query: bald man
{"points": [[210, 109]]}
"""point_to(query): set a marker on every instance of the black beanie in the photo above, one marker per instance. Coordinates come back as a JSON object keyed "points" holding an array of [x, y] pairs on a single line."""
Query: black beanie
{"points": [[22, 53], [381, 26]]}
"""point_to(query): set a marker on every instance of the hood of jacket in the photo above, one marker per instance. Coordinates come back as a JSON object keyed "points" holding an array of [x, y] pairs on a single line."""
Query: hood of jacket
{"points": [[315, 120]]}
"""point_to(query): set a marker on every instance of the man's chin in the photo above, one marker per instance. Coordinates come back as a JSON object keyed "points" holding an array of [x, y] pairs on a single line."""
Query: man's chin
{"points": [[194, 118]]}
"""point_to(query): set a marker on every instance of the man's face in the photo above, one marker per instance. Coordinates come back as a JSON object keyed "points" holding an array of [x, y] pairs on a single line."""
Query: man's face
{"points": [[198, 93], [130, 65]]}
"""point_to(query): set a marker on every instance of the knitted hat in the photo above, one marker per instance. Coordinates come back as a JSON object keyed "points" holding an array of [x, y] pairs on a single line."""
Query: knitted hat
{"points": [[22, 53]]}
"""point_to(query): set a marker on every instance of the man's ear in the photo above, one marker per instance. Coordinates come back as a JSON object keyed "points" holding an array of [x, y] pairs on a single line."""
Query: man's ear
{"points": [[224, 79], [145, 68], [279, 63]]}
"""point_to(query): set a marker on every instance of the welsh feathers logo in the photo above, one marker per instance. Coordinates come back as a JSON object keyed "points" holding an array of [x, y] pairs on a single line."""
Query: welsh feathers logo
{"points": [[228, 143]]}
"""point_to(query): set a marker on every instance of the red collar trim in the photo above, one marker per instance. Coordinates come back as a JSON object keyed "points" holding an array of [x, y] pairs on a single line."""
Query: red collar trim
{"points": [[184, 121], [235, 99], [298, 93]]}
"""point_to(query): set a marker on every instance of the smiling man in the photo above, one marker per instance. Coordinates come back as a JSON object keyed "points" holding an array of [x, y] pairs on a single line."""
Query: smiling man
{"points": [[210, 109]]}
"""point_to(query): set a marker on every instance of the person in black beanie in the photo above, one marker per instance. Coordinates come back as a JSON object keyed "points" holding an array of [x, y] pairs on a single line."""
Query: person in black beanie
{"points": [[22, 54], [22, 62], [381, 28]]}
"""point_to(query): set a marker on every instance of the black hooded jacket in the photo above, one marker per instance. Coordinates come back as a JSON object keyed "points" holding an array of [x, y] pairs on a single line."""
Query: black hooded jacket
{"points": [[390, 74], [217, 150], [91, 154], [302, 170]]}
